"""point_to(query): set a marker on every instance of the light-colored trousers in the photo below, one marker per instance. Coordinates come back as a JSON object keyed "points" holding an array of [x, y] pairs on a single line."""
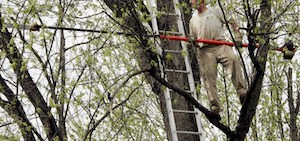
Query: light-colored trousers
{"points": [[209, 57]]}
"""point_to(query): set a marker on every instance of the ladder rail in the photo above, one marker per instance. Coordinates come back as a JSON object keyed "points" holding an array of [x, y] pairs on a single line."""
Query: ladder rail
{"points": [[189, 68], [167, 91], [196, 112]]}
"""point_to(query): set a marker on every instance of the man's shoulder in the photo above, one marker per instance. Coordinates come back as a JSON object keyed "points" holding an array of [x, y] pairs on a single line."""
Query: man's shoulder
{"points": [[215, 9], [194, 15]]}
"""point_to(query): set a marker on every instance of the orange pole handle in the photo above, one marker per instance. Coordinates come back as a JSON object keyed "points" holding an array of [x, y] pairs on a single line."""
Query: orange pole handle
{"points": [[205, 41]]}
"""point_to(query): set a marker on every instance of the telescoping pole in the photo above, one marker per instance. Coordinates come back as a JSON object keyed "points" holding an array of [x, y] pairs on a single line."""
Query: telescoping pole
{"points": [[36, 27], [205, 41]]}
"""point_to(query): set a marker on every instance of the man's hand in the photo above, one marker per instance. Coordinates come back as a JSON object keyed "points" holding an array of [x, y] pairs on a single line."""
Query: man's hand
{"points": [[193, 40], [238, 40], [239, 43]]}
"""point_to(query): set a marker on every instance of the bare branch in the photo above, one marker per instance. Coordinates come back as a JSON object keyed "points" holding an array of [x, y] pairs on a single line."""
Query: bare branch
{"points": [[89, 131], [125, 81]]}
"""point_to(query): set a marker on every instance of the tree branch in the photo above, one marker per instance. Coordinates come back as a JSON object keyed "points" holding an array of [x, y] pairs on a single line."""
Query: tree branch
{"points": [[297, 104], [26, 82], [89, 131], [193, 101], [125, 81], [17, 113], [252, 97]]}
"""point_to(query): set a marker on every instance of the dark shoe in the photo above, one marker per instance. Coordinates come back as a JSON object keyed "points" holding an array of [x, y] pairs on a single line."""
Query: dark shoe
{"points": [[243, 98]]}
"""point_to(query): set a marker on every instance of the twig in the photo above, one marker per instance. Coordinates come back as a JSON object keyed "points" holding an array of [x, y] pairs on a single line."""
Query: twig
{"points": [[89, 131]]}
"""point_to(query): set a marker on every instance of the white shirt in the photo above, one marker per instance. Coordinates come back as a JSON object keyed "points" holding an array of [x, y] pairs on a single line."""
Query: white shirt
{"points": [[208, 25]]}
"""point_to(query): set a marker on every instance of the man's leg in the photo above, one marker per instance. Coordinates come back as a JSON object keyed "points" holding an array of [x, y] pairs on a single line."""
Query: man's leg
{"points": [[228, 59], [208, 66]]}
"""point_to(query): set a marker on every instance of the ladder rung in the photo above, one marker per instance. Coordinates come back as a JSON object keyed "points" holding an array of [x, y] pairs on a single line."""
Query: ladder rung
{"points": [[185, 111], [172, 14], [179, 71], [191, 92], [176, 15], [170, 32], [172, 51], [189, 132]]}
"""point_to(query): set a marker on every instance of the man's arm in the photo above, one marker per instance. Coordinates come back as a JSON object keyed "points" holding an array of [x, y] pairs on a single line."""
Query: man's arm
{"points": [[234, 25], [237, 34]]}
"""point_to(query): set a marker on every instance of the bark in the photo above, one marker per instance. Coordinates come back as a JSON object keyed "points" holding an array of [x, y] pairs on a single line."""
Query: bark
{"points": [[61, 108], [15, 109], [193, 101], [28, 85], [293, 112], [279, 114]]}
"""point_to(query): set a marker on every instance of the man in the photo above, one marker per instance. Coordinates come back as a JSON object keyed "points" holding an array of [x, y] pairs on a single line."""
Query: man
{"points": [[208, 23]]}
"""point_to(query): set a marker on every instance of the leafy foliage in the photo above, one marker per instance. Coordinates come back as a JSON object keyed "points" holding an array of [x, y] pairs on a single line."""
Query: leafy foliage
{"points": [[75, 71]]}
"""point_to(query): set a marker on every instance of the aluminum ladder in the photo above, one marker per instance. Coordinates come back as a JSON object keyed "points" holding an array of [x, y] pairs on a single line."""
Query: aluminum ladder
{"points": [[171, 111]]}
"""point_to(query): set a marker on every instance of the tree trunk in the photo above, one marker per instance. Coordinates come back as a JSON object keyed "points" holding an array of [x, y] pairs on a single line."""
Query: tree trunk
{"points": [[27, 84], [259, 61], [14, 108], [293, 113], [62, 97], [184, 122]]}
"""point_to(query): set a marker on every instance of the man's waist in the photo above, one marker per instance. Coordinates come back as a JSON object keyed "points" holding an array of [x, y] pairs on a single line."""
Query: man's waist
{"points": [[207, 45]]}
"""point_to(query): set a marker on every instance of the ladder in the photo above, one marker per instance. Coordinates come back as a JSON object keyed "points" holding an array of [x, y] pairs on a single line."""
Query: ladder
{"points": [[171, 111]]}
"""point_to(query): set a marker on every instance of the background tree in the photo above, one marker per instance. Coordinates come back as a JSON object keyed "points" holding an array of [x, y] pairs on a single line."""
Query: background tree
{"points": [[55, 84]]}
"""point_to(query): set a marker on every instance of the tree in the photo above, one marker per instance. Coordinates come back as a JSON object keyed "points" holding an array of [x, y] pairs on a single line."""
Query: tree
{"points": [[259, 30], [57, 85]]}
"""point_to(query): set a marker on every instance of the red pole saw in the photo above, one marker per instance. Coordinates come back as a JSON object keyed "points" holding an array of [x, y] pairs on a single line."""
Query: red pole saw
{"points": [[205, 41], [288, 49]]}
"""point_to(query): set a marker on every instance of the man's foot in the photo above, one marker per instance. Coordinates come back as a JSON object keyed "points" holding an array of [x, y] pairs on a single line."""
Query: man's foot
{"points": [[215, 110], [243, 98]]}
